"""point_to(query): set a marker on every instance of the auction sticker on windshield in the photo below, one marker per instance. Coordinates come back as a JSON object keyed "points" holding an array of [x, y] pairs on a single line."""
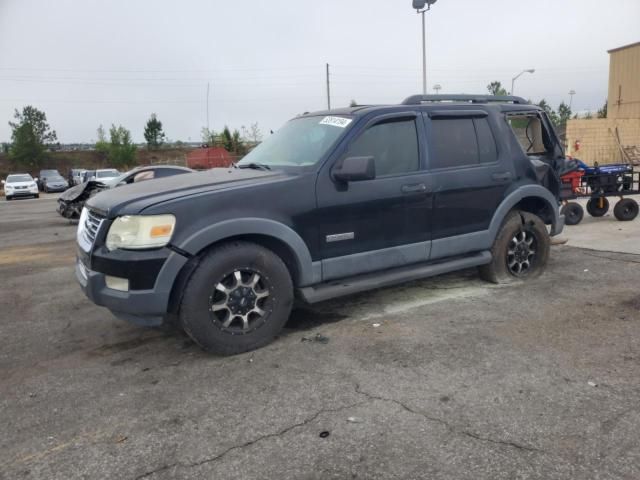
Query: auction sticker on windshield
{"points": [[335, 121]]}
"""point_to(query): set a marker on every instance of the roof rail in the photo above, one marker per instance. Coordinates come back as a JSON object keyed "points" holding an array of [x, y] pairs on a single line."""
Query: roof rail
{"points": [[418, 99]]}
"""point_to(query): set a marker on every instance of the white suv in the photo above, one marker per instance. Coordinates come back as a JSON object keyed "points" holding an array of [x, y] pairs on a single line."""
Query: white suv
{"points": [[20, 185]]}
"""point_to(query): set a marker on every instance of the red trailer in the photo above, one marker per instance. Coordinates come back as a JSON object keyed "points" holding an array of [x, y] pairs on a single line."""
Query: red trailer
{"points": [[209, 157]]}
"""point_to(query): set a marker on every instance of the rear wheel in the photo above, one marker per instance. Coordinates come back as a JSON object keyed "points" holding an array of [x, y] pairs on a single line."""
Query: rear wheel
{"points": [[597, 207], [520, 251], [8, 198], [573, 213], [626, 209], [238, 298]]}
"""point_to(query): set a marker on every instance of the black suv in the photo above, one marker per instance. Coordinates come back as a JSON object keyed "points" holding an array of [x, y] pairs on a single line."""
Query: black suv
{"points": [[335, 202]]}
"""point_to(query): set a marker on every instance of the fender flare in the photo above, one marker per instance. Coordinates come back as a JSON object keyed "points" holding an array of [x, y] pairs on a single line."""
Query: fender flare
{"points": [[309, 271], [527, 191]]}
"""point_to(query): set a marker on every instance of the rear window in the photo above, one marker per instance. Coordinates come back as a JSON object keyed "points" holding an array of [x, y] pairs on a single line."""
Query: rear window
{"points": [[460, 142]]}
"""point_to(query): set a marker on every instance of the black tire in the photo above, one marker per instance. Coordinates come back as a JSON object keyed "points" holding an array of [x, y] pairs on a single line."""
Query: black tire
{"points": [[522, 240], [37, 195], [573, 213], [594, 208], [216, 272], [7, 198], [626, 209]]}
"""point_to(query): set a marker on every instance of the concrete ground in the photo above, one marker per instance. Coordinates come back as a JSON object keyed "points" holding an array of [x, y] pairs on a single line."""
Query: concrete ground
{"points": [[606, 233], [447, 378]]}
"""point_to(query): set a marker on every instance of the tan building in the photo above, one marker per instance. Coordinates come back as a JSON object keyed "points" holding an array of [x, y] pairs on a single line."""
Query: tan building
{"points": [[611, 139]]}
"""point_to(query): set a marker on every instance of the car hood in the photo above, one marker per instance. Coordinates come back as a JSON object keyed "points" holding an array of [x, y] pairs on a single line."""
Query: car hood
{"points": [[132, 199]]}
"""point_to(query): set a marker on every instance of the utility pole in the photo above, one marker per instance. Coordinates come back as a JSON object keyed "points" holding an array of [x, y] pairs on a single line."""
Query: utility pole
{"points": [[207, 108], [424, 55], [328, 90]]}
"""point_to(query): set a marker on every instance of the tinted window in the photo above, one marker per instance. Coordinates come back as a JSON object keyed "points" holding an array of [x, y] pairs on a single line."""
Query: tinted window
{"points": [[168, 172], [454, 143], [393, 145], [486, 141]]}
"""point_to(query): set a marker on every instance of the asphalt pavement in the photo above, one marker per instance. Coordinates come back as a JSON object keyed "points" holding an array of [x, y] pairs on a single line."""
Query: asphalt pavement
{"points": [[446, 378]]}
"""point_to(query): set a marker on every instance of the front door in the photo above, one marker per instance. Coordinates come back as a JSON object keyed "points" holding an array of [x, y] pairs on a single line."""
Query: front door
{"points": [[380, 223]]}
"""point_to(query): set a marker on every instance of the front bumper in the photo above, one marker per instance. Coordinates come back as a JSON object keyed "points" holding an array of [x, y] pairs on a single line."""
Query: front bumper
{"points": [[147, 307], [30, 192]]}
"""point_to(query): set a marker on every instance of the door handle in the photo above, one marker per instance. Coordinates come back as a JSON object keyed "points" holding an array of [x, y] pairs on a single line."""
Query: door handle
{"points": [[501, 177], [414, 188]]}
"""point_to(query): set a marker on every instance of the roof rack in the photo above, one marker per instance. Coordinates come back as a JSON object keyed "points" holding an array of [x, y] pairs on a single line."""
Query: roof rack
{"points": [[418, 99]]}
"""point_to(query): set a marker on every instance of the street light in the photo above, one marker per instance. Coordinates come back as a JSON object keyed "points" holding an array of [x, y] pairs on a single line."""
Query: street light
{"points": [[422, 6], [513, 80], [437, 88], [572, 92]]}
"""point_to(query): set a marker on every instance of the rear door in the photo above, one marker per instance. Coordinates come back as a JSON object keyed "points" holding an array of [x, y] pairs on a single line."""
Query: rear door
{"points": [[470, 176]]}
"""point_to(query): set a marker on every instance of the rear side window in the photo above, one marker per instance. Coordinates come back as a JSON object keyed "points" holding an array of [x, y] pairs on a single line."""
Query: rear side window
{"points": [[486, 141], [393, 145], [460, 142]]}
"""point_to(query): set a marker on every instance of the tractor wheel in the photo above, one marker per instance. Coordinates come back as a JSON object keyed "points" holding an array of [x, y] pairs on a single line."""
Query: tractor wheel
{"points": [[573, 213], [597, 207], [626, 209]]}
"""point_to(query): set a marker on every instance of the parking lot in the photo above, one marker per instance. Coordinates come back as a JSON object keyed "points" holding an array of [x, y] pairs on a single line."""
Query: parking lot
{"points": [[443, 378]]}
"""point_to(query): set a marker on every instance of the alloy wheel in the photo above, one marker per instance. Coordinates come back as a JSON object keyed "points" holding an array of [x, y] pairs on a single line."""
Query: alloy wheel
{"points": [[239, 303], [521, 253]]}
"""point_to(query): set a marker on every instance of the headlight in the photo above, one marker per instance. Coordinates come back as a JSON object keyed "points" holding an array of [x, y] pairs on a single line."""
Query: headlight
{"points": [[140, 231]]}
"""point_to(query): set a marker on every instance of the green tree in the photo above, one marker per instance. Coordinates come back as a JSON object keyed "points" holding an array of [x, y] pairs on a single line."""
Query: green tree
{"points": [[588, 115], [227, 139], [102, 145], [209, 137], [29, 137], [564, 113], [121, 151], [602, 112], [495, 88], [153, 133], [553, 116]]}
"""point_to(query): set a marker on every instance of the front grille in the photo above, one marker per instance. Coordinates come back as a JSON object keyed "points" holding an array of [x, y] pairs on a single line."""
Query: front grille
{"points": [[92, 225]]}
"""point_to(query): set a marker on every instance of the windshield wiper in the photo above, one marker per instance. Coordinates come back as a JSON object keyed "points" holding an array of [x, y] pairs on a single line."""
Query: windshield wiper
{"points": [[255, 166]]}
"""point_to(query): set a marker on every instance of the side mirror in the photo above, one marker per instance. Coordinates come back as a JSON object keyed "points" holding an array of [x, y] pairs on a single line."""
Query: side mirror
{"points": [[3, 182], [354, 169], [35, 179]]}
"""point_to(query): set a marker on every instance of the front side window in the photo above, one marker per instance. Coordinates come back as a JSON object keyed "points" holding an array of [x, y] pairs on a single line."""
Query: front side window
{"points": [[393, 144]]}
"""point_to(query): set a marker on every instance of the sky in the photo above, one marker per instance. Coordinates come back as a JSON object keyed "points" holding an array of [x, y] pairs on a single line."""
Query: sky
{"points": [[88, 62]]}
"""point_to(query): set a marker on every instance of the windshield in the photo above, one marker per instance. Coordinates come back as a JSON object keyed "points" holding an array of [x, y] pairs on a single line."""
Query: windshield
{"points": [[107, 174], [49, 172], [56, 178], [19, 178], [301, 141]]}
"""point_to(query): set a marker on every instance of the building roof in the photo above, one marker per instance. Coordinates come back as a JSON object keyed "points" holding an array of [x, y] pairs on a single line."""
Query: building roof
{"points": [[623, 47]]}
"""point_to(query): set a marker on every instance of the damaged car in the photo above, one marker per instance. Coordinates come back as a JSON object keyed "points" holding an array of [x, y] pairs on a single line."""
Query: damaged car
{"points": [[71, 202]]}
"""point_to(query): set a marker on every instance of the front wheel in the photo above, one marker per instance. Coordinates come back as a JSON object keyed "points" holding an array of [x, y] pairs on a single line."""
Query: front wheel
{"points": [[520, 251], [238, 298]]}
